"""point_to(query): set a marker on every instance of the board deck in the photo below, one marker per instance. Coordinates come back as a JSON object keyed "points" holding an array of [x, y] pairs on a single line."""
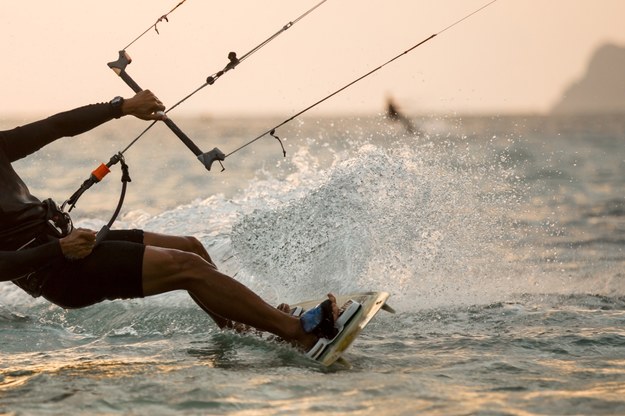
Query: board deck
{"points": [[371, 303]]}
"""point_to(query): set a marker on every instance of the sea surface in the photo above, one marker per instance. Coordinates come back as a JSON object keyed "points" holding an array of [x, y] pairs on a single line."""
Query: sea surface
{"points": [[500, 239]]}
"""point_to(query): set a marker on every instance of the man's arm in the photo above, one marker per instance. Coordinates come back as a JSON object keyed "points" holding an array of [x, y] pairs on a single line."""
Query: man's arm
{"points": [[27, 139], [77, 245], [15, 264]]}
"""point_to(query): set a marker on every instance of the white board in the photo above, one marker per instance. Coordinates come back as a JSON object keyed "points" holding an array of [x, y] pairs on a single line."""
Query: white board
{"points": [[371, 303]]}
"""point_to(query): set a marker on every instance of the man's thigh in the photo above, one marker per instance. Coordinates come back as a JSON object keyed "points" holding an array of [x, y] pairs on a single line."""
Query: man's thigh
{"points": [[188, 244], [165, 241]]}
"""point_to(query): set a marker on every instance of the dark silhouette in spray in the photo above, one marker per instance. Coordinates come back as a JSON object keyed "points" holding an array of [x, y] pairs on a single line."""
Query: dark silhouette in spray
{"points": [[394, 114]]}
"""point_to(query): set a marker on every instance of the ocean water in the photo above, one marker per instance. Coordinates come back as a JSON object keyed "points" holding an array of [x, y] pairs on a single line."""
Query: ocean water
{"points": [[499, 238]]}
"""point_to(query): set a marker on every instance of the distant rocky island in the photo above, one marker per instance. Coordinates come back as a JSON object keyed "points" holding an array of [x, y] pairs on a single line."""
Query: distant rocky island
{"points": [[602, 89]]}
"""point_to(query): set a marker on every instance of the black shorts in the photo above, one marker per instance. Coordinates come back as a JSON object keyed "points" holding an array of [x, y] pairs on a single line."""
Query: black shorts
{"points": [[112, 271]]}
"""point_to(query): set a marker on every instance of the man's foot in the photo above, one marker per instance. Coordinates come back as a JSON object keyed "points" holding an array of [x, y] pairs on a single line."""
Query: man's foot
{"points": [[347, 312], [318, 323], [305, 339]]}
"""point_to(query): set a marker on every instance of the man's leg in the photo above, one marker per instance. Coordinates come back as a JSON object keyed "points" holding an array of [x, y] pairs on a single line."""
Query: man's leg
{"points": [[191, 245], [171, 269]]}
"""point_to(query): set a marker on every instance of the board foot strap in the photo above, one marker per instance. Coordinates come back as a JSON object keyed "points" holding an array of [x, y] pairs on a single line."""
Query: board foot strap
{"points": [[348, 313]]}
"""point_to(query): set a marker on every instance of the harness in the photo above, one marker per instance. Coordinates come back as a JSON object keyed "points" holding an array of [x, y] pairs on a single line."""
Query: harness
{"points": [[58, 224]]}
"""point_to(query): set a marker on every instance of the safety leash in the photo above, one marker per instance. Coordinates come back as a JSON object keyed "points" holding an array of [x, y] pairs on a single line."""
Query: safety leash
{"points": [[96, 176]]}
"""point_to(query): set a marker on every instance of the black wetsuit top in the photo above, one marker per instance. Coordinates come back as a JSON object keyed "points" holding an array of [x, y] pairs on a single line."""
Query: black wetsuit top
{"points": [[22, 216]]}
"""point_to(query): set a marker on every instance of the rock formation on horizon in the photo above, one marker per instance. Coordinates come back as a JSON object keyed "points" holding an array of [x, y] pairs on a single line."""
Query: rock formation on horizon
{"points": [[602, 89]]}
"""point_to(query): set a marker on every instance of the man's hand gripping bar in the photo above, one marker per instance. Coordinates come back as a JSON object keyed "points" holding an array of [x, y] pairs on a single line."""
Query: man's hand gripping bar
{"points": [[206, 158]]}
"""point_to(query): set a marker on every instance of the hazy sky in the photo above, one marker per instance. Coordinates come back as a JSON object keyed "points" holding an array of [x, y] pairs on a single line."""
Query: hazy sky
{"points": [[516, 55]]}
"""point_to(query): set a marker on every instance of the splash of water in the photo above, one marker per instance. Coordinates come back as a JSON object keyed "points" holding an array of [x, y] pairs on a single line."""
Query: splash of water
{"points": [[427, 223]]}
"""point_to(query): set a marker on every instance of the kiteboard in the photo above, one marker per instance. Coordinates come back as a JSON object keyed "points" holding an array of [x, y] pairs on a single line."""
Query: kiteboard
{"points": [[357, 309]]}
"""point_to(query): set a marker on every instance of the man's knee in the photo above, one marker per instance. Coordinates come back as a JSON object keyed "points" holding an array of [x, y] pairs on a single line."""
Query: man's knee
{"points": [[193, 269], [195, 246], [167, 269], [189, 265]]}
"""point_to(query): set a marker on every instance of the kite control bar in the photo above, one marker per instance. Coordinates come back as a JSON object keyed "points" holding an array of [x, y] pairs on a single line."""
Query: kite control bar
{"points": [[206, 158]]}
